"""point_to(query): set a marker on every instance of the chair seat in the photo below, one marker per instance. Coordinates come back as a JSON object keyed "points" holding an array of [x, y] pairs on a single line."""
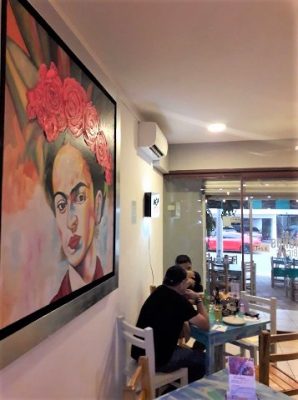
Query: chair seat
{"points": [[161, 378], [280, 381], [164, 378], [250, 341]]}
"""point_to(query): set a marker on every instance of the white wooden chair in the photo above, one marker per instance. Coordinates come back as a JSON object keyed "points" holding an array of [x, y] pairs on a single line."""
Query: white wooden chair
{"points": [[143, 338], [263, 305]]}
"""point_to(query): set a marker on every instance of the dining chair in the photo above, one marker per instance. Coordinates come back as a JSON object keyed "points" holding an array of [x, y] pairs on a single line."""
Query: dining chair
{"points": [[255, 304], [143, 338], [219, 276], [291, 281], [232, 259], [269, 372], [152, 288], [138, 386], [278, 270], [250, 276]]}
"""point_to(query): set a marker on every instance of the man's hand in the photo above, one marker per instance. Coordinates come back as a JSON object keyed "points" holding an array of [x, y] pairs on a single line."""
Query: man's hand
{"points": [[202, 318], [191, 295]]}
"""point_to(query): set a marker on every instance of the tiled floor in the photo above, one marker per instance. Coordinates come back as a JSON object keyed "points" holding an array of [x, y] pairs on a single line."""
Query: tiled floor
{"points": [[264, 289]]}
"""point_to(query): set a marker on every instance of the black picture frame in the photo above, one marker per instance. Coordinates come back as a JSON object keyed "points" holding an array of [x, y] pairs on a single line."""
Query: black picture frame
{"points": [[40, 45]]}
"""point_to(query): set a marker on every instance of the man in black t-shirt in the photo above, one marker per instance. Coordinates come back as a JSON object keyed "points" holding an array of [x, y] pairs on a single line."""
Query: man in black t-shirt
{"points": [[185, 262], [166, 310]]}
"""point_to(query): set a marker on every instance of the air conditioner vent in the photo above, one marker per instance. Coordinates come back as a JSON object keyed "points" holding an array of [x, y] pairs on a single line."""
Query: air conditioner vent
{"points": [[156, 151]]}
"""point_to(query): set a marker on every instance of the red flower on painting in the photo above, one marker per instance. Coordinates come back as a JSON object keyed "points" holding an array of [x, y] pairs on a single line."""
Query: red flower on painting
{"points": [[46, 104], [75, 100], [100, 148], [91, 124], [108, 170], [60, 105]]}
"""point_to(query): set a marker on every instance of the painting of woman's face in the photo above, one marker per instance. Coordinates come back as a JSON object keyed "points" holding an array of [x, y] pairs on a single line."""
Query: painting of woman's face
{"points": [[74, 203]]}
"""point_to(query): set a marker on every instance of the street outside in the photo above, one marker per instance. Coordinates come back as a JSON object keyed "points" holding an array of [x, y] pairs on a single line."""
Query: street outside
{"points": [[262, 258]]}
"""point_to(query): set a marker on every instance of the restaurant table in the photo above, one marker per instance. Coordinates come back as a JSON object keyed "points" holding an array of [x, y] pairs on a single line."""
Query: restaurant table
{"points": [[214, 387], [215, 340]]}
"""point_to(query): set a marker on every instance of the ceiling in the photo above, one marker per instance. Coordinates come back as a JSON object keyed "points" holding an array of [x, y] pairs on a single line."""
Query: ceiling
{"points": [[186, 63]]}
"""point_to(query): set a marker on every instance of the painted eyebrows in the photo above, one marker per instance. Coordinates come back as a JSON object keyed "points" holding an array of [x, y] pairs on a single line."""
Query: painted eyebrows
{"points": [[73, 192]]}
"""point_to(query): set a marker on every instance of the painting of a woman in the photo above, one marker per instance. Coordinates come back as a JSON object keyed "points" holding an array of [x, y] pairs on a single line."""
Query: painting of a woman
{"points": [[77, 166], [58, 185]]}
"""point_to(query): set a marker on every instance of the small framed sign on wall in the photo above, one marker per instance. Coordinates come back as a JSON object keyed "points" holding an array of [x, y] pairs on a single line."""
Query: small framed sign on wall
{"points": [[151, 205], [58, 188]]}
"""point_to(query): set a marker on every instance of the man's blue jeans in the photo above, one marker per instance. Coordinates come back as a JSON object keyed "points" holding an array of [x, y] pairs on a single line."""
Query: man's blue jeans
{"points": [[192, 359]]}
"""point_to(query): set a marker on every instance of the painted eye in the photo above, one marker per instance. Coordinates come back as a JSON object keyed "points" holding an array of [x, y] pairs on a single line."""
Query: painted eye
{"points": [[80, 198], [61, 206]]}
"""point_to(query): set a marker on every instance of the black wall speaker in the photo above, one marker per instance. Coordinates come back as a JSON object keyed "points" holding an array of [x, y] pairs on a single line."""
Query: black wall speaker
{"points": [[151, 205]]}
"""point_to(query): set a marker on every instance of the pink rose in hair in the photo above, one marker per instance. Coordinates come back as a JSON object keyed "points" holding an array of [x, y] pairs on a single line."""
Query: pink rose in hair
{"points": [[91, 124], [75, 100], [53, 97], [51, 128], [58, 106], [100, 148], [108, 170], [45, 102]]}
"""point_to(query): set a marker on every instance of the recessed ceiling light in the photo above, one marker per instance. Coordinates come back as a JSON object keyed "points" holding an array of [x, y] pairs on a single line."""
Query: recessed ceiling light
{"points": [[216, 127], [296, 148]]}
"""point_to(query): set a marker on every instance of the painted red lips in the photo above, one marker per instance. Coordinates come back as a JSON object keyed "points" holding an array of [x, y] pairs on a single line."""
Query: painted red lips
{"points": [[74, 241]]}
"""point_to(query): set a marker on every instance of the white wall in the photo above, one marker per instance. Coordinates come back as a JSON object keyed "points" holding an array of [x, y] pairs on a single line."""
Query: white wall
{"points": [[232, 155], [79, 361]]}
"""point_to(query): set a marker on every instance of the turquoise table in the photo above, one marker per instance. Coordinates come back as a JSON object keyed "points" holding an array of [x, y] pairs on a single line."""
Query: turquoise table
{"points": [[215, 341], [214, 387]]}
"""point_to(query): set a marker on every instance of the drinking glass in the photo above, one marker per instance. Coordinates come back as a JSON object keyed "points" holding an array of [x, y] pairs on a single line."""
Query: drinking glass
{"points": [[218, 312]]}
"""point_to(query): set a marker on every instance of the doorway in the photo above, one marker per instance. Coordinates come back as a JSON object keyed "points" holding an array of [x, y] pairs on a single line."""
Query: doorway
{"points": [[253, 216]]}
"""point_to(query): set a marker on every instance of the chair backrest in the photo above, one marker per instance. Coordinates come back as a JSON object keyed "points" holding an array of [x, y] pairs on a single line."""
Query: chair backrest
{"points": [[138, 386], [278, 261], [142, 338], [219, 276], [152, 288], [256, 303], [266, 357], [250, 276]]}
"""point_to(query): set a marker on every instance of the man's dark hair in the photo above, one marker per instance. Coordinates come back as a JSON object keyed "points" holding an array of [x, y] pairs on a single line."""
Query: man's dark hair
{"points": [[182, 259], [174, 275]]}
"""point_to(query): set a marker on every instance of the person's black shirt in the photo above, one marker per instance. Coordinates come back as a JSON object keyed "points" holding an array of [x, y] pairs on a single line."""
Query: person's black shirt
{"points": [[164, 311]]}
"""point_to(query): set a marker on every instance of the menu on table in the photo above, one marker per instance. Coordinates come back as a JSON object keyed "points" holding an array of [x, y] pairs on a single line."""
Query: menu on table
{"points": [[242, 381]]}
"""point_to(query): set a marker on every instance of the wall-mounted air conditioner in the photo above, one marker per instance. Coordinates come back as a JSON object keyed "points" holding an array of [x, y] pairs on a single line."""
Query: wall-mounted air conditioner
{"points": [[151, 141]]}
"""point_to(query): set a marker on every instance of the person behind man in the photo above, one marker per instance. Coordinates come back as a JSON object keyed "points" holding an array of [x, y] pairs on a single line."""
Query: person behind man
{"points": [[185, 262], [165, 311]]}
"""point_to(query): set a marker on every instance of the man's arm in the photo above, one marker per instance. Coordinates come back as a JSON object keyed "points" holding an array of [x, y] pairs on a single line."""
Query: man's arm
{"points": [[202, 318]]}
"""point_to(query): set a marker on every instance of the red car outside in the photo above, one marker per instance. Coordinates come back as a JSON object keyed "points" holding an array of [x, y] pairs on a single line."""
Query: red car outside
{"points": [[232, 242]]}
